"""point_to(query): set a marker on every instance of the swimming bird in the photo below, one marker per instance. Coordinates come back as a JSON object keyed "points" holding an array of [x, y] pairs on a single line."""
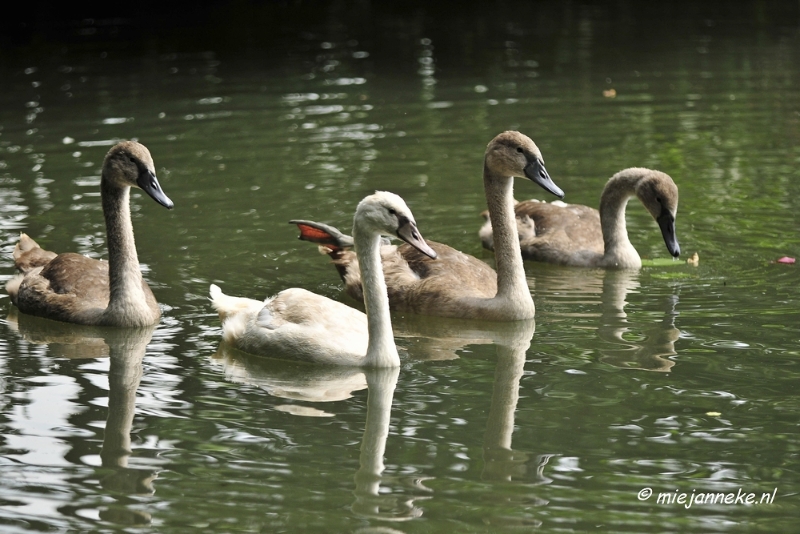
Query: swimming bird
{"points": [[456, 284], [572, 234], [73, 288], [301, 325]]}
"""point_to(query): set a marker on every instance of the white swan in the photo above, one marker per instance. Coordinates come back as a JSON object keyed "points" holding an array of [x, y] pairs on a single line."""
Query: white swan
{"points": [[572, 234], [457, 284], [73, 288], [301, 325]]}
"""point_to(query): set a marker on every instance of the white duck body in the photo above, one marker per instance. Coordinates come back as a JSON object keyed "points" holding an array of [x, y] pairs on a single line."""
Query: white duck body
{"points": [[300, 325]]}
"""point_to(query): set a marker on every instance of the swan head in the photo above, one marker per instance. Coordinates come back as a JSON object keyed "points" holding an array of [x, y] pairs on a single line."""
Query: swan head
{"points": [[129, 164], [385, 213], [659, 194], [515, 154]]}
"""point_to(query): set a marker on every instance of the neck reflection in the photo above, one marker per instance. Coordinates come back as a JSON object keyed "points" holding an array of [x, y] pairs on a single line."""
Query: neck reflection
{"points": [[125, 348]]}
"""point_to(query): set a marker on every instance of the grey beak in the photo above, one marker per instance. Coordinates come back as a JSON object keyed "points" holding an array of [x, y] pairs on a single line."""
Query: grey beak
{"points": [[667, 224], [408, 232], [148, 182], [536, 172]]}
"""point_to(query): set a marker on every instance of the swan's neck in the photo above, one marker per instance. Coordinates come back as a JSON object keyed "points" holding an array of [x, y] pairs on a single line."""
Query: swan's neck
{"points": [[125, 276], [381, 350], [618, 250], [512, 285]]}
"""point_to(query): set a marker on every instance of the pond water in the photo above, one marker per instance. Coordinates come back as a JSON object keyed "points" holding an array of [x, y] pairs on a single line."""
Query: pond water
{"points": [[677, 378]]}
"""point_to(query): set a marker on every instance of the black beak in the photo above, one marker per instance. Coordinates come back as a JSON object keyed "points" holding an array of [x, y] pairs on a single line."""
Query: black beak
{"points": [[149, 183], [667, 224], [536, 172], [408, 232]]}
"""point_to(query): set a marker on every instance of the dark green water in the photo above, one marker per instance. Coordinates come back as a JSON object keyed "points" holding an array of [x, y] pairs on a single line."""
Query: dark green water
{"points": [[677, 378]]}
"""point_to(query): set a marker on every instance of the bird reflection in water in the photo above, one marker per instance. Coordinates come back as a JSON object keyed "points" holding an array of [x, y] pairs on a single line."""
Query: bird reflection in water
{"points": [[436, 338], [125, 348], [657, 341], [569, 292], [439, 338], [328, 384]]}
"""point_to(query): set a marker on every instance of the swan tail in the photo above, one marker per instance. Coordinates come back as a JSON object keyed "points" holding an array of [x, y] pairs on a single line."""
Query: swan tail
{"points": [[330, 239], [28, 255], [25, 244], [227, 306]]}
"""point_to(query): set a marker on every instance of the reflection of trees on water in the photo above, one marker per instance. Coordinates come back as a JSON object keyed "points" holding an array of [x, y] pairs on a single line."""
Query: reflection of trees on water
{"points": [[125, 348]]}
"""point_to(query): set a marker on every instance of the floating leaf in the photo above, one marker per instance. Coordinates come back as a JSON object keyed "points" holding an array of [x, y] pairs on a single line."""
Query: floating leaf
{"points": [[661, 262], [672, 275]]}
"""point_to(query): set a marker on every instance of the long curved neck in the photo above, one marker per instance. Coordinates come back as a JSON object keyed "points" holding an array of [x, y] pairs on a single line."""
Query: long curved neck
{"points": [[125, 276], [381, 350], [618, 250], [511, 282]]}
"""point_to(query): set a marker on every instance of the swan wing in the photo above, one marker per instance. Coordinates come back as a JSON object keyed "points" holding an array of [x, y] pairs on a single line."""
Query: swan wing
{"points": [[555, 232], [295, 324]]}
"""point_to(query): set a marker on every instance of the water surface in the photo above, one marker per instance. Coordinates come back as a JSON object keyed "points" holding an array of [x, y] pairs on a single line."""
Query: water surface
{"points": [[675, 378]]}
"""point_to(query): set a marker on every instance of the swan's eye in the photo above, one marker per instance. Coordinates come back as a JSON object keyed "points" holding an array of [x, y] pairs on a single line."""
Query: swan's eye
{"points": [[133, 160], [658, 199], [519, 149], [392, 211]]}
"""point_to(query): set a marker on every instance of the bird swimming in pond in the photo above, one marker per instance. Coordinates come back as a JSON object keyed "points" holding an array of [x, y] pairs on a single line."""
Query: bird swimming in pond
{"points": [[74, 288], [572, 234], [456, 284], [300, 325]]}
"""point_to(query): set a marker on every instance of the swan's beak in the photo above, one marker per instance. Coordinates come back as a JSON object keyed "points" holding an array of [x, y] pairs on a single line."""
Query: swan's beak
{"points": [[667, 224], [536, 172], [148, 182], [408, 232]]}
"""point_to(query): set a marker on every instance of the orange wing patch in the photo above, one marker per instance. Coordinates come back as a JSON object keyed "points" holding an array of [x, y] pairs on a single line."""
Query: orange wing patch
{"points": [[313, 234]]}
